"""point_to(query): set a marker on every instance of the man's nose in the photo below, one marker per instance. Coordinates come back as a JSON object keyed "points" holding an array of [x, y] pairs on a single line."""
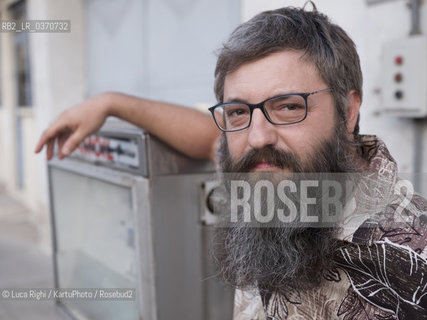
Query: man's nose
{"points": [[261, 132]]}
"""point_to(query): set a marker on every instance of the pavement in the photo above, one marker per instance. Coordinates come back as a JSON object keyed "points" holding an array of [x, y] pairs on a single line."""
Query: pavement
{"points": [[23, 264]]}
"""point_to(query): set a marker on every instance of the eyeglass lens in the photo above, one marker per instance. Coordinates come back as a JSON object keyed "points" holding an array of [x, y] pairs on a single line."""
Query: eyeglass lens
{"points": [[280, 110]]}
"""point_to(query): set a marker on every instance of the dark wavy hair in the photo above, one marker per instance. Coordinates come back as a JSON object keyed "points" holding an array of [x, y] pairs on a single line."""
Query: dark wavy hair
{"points": [[325, 44]]}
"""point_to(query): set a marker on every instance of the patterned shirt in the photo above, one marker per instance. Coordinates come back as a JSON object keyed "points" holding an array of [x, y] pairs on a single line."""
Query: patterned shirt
{"points": [[381, 267]]}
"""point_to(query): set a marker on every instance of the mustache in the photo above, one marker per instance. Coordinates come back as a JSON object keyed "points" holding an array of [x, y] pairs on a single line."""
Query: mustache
{"points": [[277, 157]]}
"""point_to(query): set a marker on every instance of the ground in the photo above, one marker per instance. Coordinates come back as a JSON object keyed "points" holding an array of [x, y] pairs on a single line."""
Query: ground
{"points": [[23, 264]]}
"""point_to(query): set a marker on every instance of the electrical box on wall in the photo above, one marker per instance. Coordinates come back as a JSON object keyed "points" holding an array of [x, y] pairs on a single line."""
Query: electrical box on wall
{"points": [[404, 82]]}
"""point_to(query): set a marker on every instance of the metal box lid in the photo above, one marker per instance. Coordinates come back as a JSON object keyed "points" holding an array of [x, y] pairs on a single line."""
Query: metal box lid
{"points": [[125, 147]]}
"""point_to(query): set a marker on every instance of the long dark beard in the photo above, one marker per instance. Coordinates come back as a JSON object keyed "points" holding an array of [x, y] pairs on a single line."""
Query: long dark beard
{"points": [[274, 259]]}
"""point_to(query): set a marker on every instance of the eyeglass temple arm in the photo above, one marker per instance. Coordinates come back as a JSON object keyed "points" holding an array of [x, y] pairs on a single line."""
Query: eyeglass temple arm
{"points": [[323, 90]]}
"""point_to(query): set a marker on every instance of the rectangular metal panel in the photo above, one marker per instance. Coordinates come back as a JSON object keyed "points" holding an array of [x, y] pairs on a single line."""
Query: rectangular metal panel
{"points": [[182, 37], [186, 286], [115, 46], [94, 222]]}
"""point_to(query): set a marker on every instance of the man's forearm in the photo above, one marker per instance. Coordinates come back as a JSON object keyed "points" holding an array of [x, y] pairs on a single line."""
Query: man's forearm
{"points": [[188, 130]]}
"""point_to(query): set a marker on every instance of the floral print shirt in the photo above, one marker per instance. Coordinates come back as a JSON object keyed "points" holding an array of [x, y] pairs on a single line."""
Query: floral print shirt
{"points": [[381, 267]]}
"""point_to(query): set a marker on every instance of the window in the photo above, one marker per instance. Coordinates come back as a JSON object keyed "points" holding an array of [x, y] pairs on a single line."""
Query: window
{"points": [[22, 57]]}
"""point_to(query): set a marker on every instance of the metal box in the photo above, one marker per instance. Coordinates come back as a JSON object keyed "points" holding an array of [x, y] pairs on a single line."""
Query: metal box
{"points": [[404, 80], [126, 213]]}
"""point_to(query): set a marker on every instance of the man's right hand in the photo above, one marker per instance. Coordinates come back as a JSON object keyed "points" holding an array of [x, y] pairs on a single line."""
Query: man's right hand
{"points": [[74, 125], [189, 131]]}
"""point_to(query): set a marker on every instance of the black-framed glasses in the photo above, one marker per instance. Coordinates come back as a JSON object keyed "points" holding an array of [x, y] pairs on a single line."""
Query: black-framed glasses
{"points": [[280, 110]]}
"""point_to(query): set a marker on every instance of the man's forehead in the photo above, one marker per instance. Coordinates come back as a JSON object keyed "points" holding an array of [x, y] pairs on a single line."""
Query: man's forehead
{"points": [[282, 72]]}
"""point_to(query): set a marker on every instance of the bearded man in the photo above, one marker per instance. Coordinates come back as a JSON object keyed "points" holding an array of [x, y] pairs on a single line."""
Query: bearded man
{"points": [[289, 87]]}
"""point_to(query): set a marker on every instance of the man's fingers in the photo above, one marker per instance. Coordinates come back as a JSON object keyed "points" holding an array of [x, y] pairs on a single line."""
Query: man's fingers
{"points": [[71, 143], [67, 140], [40, 144], [50, 145], [48, 134], [61, 140]]}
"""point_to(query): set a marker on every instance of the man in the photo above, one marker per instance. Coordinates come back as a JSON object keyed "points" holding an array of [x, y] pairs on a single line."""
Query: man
{"points": [[289, 88]]}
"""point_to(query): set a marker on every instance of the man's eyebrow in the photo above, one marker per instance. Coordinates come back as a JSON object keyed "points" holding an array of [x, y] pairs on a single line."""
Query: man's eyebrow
{"points": [[237, 99]]}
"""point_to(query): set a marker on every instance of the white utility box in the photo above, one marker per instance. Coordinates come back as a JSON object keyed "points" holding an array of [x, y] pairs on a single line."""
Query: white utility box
{"points": [[404, 81]]}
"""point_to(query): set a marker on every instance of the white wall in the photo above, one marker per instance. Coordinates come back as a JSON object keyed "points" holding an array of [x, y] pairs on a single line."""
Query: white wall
{"points": [[58, 82], [58, 68], [370, 26]]}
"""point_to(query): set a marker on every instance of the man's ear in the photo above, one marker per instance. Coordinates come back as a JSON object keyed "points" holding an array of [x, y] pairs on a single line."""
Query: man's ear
{"points": [[353, 106]]}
